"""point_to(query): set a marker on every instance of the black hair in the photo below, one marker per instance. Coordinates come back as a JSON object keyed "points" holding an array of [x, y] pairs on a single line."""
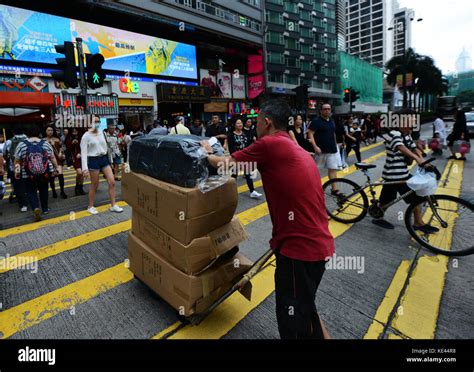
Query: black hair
{"points": [[55, 133], [18, 129], [278, 111], [33, 131]]}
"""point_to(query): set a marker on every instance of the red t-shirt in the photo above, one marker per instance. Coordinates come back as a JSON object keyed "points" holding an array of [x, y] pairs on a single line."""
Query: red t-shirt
{"points": [[294, 195]]}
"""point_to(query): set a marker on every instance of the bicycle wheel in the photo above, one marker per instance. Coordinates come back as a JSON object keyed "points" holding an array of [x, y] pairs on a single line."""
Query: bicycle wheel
{"points": [[350, 205], [453, 216]]}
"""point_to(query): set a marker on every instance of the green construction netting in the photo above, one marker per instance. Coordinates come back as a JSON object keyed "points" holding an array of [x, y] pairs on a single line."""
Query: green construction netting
{"points": [[361, 76]]}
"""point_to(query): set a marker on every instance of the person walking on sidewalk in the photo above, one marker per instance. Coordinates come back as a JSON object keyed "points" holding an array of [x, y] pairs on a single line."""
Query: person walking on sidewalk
{"points": [[94, 160], [300, 239], [322, 136], [55, 143], [354, 137], [113, 150], [18, 185], [73, 144], [35, 164], [296, 133], [237, 141]]}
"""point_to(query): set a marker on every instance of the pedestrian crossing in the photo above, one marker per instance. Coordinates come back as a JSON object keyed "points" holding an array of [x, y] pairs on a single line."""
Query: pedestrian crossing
{"points": [[228, 315]]}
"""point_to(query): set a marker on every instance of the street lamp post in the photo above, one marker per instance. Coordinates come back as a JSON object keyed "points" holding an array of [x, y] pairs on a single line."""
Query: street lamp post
{"points": [[407, 16]]}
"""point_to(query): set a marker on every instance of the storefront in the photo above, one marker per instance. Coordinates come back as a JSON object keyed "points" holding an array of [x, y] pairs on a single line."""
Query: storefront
{"points": [[137, 102], [25, 100], [181, 100]]}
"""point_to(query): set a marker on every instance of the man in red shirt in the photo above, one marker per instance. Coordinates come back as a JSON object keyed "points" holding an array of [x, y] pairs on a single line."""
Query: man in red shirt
{"points": [[300, 239]]}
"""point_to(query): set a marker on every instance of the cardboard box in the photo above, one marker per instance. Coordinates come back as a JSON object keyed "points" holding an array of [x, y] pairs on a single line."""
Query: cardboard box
{"points": [[188, 294], [183, 213], [196, 256]]}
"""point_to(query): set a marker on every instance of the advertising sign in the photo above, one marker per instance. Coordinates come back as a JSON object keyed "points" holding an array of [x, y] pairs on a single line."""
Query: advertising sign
{"points": [[27, 35], [181, 93], [224, 82], [238, 87]]}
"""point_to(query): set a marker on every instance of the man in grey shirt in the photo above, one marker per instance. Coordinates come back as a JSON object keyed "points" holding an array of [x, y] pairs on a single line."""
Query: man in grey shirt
{"points": [[158, 129]]}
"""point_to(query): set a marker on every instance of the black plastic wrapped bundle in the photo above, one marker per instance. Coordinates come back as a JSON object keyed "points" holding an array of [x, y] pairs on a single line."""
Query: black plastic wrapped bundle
{"points": [[177, 159]]}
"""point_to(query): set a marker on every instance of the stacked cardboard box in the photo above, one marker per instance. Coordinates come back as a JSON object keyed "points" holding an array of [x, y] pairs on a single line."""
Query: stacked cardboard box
{"points": [[183, 242]]}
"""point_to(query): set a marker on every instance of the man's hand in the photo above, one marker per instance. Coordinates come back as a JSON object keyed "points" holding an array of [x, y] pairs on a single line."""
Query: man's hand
{"points": [[205, 144], [85, 173]]}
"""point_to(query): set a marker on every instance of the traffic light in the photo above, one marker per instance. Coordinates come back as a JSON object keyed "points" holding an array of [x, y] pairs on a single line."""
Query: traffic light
{"points": [[67, 65], [354, 95], [347, 95], [95, 74], [301, 96]]}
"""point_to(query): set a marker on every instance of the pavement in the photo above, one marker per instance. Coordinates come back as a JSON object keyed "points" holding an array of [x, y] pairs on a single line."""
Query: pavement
{"points": [[78, 284]]}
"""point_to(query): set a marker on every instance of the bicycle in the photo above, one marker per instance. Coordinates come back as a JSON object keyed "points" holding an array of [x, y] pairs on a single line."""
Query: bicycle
{"points": [[453, 216]]}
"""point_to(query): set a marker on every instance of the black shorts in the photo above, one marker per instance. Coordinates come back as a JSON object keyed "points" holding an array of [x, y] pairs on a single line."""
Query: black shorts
{"points": [[389, 194], [296, 283]]}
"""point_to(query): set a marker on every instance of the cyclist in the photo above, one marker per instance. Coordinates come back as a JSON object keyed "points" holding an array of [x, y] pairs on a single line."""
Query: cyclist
{"points": [[401, 151]]}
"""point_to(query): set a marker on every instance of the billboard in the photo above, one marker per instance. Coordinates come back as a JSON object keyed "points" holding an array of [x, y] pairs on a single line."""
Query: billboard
{"points": [[30, 36]]}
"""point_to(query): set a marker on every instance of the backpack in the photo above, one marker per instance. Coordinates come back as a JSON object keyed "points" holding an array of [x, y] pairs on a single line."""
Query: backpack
{"points": [[36, 159], [15, 141]]}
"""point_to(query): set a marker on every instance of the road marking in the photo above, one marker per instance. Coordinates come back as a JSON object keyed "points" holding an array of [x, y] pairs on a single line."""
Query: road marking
{"points": [[422, 297], [28, 257], [32, 312], [420, 302], [46, 306], [55, 220]]}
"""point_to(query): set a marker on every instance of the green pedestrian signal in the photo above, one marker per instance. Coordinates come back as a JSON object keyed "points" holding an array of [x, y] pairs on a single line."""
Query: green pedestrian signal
{"points": [[95, 74]]}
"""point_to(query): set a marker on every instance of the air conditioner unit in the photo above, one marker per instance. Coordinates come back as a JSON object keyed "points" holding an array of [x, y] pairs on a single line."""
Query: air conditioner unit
{"points": [[314, 13], [285, 15], [325, 50], [302, 74], [314, 29], [315, 77], [315, 61], [287, 71], [286, 53], [286, 33], [300, 5], [301, 57], [315, 45], [301, 40], [326, 79], [325, 35], [325, 65], [325, 5], [301, 23], [325, 20]]}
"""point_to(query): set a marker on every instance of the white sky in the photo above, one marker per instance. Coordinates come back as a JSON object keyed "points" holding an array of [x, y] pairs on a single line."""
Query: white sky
{"points": [[447, 27]]}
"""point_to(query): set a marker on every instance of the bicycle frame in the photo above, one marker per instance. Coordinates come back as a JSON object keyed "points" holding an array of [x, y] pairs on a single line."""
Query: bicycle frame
{"points": [[371, 187]]}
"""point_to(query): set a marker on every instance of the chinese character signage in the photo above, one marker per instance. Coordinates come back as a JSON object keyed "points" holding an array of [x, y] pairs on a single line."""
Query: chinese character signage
{"points": [[27, 35], [182, 93]]}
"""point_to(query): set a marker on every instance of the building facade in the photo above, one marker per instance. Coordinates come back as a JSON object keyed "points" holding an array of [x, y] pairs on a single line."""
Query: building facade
{"points": [[301, 46], [377, 30]]}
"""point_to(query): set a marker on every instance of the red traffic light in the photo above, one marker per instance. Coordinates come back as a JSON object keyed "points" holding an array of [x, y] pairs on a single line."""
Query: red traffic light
{"points": [[346, 91]]}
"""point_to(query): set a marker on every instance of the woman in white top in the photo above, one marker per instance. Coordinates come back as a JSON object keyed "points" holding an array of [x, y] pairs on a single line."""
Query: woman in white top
{"points": [[94, 159]]}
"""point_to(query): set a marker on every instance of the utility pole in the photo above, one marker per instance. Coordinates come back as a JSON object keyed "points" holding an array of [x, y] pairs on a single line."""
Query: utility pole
{"points": [[82, 78]]}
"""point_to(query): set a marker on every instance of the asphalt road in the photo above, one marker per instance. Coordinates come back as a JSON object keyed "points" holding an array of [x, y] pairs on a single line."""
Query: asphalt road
{"points": [[81, 287]]}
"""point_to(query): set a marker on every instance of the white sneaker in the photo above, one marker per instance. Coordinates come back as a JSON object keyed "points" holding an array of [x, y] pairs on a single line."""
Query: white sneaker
{"points": [[116, 208], [23, 209], [255, 195], [92, 210]]}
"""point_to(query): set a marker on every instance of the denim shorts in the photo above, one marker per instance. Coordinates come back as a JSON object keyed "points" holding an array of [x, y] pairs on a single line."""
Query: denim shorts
{"points": [[97, 163], [117, 160]]}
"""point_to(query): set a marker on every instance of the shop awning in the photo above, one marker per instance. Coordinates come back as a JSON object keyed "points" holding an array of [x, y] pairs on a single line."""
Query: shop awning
{"points": [[26, 99]]}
